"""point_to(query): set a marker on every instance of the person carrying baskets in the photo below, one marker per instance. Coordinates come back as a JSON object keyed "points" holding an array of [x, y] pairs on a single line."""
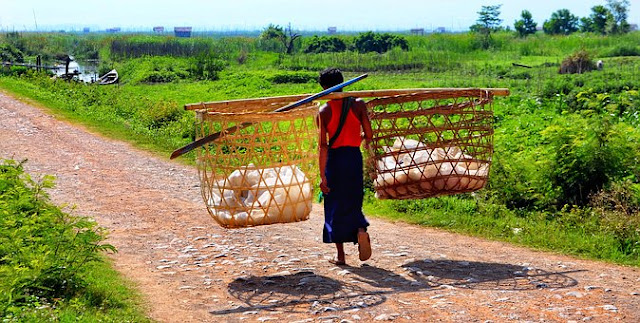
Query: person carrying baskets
{"points": [[344, 124]]}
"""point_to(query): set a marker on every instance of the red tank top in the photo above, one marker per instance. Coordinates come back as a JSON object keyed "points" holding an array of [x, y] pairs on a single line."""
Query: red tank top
{"points": [[350, 134]]}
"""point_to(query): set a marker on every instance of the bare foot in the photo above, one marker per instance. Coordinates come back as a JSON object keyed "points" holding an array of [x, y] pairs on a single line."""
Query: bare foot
{"points": [[338, 262], [364, 246]]}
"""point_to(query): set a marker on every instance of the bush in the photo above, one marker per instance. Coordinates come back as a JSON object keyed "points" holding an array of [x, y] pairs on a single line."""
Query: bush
{"points": [[380, 43], [42, 249], [10, 53], [325, 45], [293, 77], [160, 114], [619, 209], [587, 154], [206, 67]]}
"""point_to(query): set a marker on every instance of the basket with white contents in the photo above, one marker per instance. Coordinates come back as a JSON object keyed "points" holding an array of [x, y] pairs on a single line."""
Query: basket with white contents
{"points": [[432, 142], [263, 166]]}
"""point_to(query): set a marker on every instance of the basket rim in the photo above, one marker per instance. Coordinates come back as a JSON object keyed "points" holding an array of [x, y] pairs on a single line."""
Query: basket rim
{"points": [[286, 99]]}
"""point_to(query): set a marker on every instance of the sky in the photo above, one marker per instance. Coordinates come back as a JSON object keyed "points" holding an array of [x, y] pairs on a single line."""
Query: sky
{"points": [[234, 15]]}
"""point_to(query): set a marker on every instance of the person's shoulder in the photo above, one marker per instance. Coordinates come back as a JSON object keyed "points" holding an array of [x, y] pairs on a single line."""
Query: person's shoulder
{"points": [[359, 105], [324, 109], [360, 102]]}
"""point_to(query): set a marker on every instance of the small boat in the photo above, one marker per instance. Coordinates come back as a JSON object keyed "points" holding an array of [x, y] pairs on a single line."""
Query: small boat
{"points": [[110, 78]]}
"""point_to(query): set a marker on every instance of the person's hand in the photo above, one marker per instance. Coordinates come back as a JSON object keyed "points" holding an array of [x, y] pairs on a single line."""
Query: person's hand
{"points": [[324, 187]]}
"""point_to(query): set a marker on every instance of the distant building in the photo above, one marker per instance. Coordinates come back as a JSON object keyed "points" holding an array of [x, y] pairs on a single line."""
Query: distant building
{"points": [[182, 31], [159, 29], [417, 31], [633, 27], [332, 30], [441, 30], [113, 30], [86, 29]]}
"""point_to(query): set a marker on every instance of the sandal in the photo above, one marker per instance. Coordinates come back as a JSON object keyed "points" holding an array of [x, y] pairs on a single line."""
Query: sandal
{"points": [[364, 246]]}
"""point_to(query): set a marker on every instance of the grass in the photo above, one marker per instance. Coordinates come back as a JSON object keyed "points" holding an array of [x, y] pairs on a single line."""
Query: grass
{"points": [[492, 221]]}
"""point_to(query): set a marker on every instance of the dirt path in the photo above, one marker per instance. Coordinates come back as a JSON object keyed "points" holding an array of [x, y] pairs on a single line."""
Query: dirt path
{"points": [[191, 270]]}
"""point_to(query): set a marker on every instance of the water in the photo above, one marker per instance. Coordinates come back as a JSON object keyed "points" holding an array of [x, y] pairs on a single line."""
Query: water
{"points": [[88, 70]]}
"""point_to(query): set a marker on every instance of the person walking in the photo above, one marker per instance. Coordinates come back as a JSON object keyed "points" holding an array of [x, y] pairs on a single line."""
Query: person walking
{"points": [[344, 124]]}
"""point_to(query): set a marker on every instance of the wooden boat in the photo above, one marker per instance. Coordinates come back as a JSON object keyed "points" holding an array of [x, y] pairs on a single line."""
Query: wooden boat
{"points": [[110, 77]]}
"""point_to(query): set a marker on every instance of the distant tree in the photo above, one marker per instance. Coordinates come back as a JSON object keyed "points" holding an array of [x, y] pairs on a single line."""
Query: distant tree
{"points": [[286, 37], [375, 42], [488, 22], [561, 22], [619, 11], [526, 25], [325, 45], [597, 21]]}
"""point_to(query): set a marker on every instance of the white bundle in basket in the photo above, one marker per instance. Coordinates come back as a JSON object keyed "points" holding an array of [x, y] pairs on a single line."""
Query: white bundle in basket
{"points": [[447, 168], [253, 196]]}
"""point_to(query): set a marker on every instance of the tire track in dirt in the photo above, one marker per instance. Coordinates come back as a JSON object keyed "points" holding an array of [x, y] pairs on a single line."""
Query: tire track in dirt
{"points": [[191, 270]]}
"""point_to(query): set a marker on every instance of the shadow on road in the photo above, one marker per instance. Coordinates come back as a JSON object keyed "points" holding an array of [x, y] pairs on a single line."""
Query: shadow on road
{"points": [[303, 292], [487, 276], [365, 286]]}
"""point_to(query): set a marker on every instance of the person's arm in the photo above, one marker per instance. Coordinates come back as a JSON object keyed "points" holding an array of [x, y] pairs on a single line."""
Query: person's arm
{"points": [[363, 115], [322, 120]]}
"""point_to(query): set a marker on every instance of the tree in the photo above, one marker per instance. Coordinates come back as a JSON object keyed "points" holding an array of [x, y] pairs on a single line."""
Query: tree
{"points": [[597, 21], [488, 22], [561, 22], [286, 37], [374, 42], [325, 45], [619, 11], [526, 25]]}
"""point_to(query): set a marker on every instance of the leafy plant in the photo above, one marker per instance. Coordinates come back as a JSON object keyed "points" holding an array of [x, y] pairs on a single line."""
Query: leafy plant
{"points": [[586, 155], [43, 251]]}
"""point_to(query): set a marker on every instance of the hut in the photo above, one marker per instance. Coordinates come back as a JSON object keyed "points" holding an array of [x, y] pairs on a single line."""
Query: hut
{"points": [[182, 32], [158, 29], [332, 30]]}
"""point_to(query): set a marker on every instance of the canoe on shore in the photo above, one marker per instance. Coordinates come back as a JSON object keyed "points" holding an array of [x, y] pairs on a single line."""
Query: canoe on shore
{"points": [[110, 77]]}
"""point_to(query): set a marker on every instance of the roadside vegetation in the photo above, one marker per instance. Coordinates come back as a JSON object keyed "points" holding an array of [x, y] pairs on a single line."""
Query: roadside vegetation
{"points": [[52, 263]]}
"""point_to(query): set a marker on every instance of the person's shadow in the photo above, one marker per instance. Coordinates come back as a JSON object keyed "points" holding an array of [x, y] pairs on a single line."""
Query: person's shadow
{"points": [[367, 286], [304, 292], [483, 275]]}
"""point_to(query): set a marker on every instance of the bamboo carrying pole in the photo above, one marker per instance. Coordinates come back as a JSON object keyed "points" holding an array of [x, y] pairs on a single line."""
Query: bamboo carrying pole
{"points": [[203, 141]]}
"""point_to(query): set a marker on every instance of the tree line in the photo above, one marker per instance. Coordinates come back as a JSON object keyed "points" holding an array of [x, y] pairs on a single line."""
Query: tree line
{"points": [[604, 19]]}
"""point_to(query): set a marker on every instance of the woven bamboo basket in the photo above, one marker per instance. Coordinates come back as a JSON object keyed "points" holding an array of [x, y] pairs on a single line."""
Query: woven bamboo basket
{"points": [[427, 142], [431, 142], [263, 173]]}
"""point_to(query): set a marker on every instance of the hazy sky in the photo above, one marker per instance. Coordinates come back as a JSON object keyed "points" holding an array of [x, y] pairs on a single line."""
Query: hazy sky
{"points": [[229, 15]]}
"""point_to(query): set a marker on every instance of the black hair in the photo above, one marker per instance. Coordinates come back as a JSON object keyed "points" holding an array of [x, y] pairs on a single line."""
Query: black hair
{"points": [[330, 77]]}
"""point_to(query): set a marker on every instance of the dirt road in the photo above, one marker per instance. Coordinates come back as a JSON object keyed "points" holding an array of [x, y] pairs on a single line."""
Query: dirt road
{"points": [[191, 270]]}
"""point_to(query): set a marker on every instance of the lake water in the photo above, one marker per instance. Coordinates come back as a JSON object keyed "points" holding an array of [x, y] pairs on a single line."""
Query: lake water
{"points": [[88, 70]]}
